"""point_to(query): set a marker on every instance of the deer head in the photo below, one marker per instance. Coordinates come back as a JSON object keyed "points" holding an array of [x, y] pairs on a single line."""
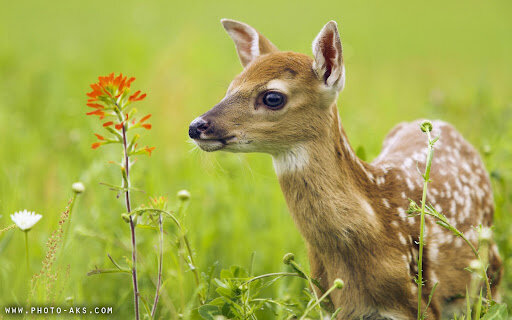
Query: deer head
{"points": [[280, 100]]}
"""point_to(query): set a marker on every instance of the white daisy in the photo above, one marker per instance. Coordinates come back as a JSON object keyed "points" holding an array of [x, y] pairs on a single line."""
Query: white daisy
{"points": [[25, 220]]}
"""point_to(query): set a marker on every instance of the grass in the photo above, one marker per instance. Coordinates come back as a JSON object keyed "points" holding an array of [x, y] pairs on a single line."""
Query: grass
{"points": [[404, 61]]}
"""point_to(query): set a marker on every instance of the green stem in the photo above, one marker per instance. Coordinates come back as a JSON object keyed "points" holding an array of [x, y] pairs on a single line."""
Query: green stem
{"points": [[484, 273], [160, 264], [311, 307], [71, 205], [186, 244], [276, 274], [26, 252], [126, 182], [426, 178]]}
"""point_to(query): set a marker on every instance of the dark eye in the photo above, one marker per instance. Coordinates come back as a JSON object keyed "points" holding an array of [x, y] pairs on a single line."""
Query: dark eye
{"points": [[274, 100]]}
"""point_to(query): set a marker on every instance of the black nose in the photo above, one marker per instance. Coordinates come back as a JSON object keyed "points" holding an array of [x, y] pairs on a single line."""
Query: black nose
{"points": [[198, 126]]}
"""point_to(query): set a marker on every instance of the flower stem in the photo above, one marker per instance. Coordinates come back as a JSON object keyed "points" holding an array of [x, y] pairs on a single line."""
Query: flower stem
{"points": [[189, 259], [132, 225], [73, 199], [160, 264], [318, 300], [426, 178], [26, 252]]}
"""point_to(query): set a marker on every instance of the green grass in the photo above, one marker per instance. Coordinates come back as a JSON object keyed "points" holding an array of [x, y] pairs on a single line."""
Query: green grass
{"points": [[447, 60]]}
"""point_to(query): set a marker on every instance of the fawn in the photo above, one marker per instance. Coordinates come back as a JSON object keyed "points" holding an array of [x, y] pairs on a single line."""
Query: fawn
{"points": [[352, 214]]}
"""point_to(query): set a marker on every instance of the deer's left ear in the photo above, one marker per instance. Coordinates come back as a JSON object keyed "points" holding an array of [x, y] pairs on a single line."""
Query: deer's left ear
{"points": [[249, 42], [328, 63]]}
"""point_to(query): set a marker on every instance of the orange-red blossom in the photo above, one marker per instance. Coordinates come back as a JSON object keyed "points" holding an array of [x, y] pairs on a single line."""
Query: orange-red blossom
{"points": [[110, 97]]}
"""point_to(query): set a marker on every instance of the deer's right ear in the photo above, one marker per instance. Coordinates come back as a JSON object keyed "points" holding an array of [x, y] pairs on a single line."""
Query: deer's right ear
{"points": [[328, 63], [249, 42]]}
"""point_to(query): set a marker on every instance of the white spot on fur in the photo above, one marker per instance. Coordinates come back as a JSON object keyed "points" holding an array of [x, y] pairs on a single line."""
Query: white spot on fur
{"points": [[386, 203], [409, 184], [433, 251], [291, 161], [433, 278], [368, 209], [402, 213], [402, 239]]}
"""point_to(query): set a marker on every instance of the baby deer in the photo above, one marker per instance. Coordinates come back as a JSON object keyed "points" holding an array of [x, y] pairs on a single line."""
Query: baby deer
{"points": [[352, 214]]}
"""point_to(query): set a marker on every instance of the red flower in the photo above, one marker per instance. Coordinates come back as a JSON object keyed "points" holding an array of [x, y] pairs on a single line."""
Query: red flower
{"points": [[110, 96], [149, 150], [136, 97], [95, 105], [145, 118], [97, 112], [109, 86]]}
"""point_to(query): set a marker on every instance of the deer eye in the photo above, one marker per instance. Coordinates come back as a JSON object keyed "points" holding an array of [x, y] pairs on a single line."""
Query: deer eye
{"points": [[274, 100]]}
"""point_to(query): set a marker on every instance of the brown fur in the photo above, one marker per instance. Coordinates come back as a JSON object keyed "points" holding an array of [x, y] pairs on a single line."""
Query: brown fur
{"points": [[352, 213]]}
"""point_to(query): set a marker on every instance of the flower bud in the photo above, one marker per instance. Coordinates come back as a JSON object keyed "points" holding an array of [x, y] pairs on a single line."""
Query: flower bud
{"points": [[78, 187], [412, 207], [485, 234], [288, 258], [487, 149], [338, 283], [126, 217], [475, 265], [426, 126], [183, 195]]}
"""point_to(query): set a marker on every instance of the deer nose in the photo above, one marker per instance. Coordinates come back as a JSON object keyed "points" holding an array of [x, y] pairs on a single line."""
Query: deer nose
{"points": [[197, 127]]}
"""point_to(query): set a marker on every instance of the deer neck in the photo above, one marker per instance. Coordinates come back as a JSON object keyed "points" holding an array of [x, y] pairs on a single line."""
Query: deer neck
{"points": [[325, 186]]}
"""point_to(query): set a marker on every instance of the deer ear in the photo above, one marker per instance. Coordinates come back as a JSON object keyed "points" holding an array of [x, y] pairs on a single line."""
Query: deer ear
{"points": [[249, 42], [328, 63]]}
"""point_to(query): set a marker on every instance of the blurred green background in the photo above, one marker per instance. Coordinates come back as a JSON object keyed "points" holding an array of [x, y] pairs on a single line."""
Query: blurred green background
{"points": [[405, 60]]}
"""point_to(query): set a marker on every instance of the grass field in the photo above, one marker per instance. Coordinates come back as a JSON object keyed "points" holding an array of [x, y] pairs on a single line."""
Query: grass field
{"points": [[404, 60]]}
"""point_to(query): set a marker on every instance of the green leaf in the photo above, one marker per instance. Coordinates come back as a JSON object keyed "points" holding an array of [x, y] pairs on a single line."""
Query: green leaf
{"points": [[478, 307], [146, 226], [239, 272], [225, 292], [468, 305], [208, 311], [227, 311], [497, 312]]}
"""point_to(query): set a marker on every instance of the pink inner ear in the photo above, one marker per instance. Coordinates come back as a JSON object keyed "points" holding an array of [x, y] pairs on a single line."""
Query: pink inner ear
{"points": [[329, 53]]}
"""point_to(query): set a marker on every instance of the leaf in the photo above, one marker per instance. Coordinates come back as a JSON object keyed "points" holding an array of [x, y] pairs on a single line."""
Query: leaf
{"points": [[208, 311], [227, 311], [429, 299], [102, 271], [239, 272], [497, 312], [225, 292], [147, 226], [478, 307], [335, 314], [468, 305]]}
